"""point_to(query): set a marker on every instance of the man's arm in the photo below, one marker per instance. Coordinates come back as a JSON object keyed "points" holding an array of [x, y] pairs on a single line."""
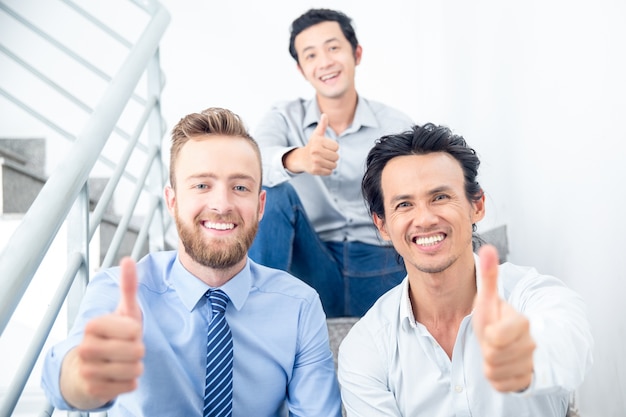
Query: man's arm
{"points": [[280, 133], [363, 376], [546, 347], [313, 390], [318, 157], [107, 362], [503, 333]]}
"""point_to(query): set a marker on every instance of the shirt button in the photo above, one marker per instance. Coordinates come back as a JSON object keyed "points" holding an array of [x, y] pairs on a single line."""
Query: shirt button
{"points": [[458, 389]]}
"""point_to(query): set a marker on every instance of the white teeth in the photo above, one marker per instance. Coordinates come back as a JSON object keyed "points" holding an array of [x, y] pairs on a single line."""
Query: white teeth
{"points": [[219, 226], [328, 77], [428, 241]]}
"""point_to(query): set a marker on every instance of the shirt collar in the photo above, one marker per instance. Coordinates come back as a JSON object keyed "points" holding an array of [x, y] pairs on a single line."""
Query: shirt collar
{"points": [[191, 289], [406, 312], [363, 116]]}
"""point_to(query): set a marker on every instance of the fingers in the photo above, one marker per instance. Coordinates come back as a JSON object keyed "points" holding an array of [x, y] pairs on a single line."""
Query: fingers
{"points": [[320, 129], [503, 333], [109, 367], [507, 338], [507, 348], [106, 363], [106, 354], [113, 327], [319, 137], [108, 360], [128, 305], [512, 383], [489, 273], [487, 302]]}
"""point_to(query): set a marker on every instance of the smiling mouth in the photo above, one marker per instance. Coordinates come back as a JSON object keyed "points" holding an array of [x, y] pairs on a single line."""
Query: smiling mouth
{"points": [[218, 226], [429, 240], [329, 76]]}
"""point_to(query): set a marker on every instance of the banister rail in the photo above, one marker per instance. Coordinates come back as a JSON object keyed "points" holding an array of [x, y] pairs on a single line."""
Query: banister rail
{"points": [[64, 198], [21, 258]]}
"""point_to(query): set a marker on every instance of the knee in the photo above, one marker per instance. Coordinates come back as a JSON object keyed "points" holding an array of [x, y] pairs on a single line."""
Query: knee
{"points": [[281, 196]]}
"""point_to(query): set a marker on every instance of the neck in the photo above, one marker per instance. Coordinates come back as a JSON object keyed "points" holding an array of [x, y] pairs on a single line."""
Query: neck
{"points": [[444, 298], [340, 110], [213, 277]]}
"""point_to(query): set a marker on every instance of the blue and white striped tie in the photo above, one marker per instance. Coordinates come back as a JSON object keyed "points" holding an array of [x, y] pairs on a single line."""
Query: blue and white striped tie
{"points": [[218, 388]]}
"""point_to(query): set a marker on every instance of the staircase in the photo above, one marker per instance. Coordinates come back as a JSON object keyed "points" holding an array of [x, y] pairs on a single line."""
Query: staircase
{"points": [[81, 171]]}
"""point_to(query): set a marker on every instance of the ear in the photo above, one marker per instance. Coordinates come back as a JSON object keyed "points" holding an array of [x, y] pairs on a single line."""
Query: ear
{"points": [[358, 53], [478, 209], [380, 225], [262, 200], [170, 200]]}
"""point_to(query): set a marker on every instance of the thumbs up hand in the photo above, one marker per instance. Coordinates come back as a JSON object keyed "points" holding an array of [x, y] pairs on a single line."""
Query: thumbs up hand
{"points": [[503, 333], [318, 157], [128, 306], [108, 361]]}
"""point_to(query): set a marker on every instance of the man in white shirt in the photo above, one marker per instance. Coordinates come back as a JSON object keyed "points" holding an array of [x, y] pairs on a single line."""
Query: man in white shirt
{"points": [[460, 336]]}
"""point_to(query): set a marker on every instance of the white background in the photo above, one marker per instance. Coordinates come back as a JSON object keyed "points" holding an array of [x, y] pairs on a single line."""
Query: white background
{"points": [[538, 88]]}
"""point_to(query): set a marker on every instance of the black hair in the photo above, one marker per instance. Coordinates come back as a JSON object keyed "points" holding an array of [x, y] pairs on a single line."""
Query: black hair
{"points": [[315, 16]]}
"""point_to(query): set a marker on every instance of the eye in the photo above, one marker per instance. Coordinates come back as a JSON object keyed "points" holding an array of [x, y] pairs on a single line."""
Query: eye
{"points": [[241, 188], [402, 204], [309, 57], [201, 186], [441, 197]]}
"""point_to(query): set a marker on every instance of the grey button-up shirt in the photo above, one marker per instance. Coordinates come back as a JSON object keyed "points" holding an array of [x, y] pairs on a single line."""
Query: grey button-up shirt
{"points": [[333, 203]]}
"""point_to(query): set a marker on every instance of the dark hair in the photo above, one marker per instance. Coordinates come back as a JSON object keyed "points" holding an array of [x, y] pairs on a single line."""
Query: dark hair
{"points": [[418, 141], [315, 16]]}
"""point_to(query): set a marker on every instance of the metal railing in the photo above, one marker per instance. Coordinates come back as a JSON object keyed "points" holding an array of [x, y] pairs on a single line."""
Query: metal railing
{"points": [[64, 198]]}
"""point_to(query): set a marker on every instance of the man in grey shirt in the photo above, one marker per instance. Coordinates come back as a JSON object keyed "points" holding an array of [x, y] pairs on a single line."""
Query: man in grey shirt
{"points": [[316, 225]]}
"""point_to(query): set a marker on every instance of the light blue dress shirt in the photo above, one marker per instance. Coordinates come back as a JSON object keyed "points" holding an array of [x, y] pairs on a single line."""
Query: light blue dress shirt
{"points": [[282, 358], [391, 366], [333, 203]]}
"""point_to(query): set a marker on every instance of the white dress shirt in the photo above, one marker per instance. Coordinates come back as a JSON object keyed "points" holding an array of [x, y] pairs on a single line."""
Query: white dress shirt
{"points": [[390, 365]]}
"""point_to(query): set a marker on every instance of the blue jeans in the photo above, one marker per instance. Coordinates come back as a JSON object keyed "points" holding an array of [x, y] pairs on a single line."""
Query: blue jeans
{"points": [[349, 276]]}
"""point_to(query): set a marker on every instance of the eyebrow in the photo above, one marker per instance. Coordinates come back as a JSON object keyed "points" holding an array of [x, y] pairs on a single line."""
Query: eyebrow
{"points": [[237, 176], [433, 191], [326, 42]]}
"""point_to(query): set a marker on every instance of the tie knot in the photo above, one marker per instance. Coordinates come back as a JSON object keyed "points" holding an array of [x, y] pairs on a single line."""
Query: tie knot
{"points": [[219, 300]]}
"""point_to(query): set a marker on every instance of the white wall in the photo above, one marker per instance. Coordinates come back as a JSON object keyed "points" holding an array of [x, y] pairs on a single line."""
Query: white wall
{"points": [[538, 88]]}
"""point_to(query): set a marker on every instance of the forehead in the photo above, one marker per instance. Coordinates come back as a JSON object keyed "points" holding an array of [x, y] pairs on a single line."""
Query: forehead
{"points": [[217, 154], [421, 172], [318, 34]]}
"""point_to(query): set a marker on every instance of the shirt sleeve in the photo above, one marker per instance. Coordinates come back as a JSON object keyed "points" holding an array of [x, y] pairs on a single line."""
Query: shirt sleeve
{"points": [[276, 137], [561, 331], [313, 389], [363, 374]]}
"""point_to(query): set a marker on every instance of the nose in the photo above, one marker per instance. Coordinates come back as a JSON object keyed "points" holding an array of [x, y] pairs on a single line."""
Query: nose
{"points": [[326, 59], [425, 216], [220, 199]]}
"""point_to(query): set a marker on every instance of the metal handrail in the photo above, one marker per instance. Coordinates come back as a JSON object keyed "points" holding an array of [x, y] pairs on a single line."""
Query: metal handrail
{"points": [[28, 245], [64, 196]]}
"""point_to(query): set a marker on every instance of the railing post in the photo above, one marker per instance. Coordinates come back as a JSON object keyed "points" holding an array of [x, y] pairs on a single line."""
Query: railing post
{"points": [[156, 235], [78, 242]]}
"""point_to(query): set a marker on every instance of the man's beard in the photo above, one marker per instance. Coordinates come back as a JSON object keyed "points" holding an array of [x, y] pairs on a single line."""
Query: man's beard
{"points": [[221, 253]]}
